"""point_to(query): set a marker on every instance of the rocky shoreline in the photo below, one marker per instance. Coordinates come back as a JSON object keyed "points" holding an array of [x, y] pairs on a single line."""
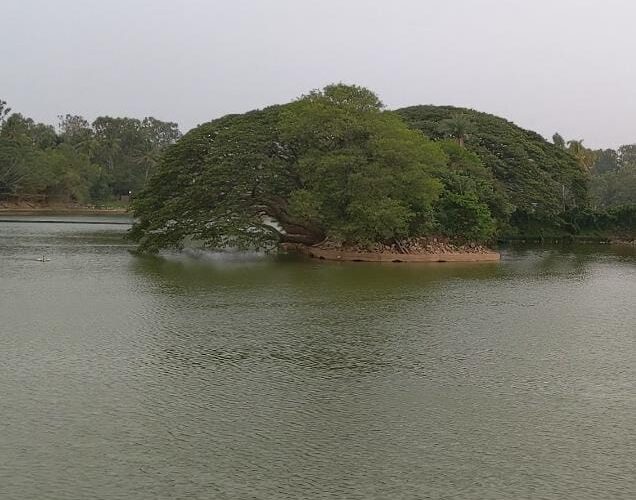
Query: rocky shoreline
{"points": [[414, 250]]}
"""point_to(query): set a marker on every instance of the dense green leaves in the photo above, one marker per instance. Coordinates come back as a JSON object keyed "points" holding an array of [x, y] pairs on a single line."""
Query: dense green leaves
{"points": [[464, 216], [363, 176], [79, 162], [538, 180], [613, 180], [336, 165], [473, 204], [457, 127], [333, 164], [215, 185]]}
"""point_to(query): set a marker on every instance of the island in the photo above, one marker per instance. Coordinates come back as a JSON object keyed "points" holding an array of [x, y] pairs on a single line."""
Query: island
{"points": [[333, 174]]}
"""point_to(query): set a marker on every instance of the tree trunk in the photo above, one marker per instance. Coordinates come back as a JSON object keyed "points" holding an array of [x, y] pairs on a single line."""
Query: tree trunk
{"points": [[305, 239], [296, 231]]}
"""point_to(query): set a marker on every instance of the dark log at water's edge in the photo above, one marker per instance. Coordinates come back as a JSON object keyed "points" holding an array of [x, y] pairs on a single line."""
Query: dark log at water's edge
{"points": [[353, 256]]}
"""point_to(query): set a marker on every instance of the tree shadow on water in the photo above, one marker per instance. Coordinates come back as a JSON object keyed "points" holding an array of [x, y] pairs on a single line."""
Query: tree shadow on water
{"points": [[313, 277], [327, 318]]}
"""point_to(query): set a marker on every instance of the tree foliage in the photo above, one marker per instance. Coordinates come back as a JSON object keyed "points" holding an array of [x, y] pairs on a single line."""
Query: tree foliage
{"points": [[363, 175], [336, 165], [558, 140], [613, 180], [332, 164], [472, 205], [538, 180], [79, 162], [457, 127], [584, 156]]}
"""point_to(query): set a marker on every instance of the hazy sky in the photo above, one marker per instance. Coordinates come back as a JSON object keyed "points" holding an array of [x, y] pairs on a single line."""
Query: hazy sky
{"points": [[566, 65]]}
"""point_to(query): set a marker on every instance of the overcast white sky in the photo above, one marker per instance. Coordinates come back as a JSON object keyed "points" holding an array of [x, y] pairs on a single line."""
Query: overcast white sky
{"points": [[547, 65]]}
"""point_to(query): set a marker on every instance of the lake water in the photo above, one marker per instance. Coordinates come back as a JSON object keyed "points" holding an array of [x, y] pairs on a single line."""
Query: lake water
{"points": [[273, 378]]}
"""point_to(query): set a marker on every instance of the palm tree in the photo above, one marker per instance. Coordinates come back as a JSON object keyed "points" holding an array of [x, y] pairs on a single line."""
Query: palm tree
{"points": [[4, 111], [149, 160], [458, 126], [586, 157]]}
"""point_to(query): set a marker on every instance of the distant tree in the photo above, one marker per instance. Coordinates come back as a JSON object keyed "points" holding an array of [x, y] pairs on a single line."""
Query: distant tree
{"points": [[558, 140], [585, 157], [12, 165], [79, 161], [613, 181], [365, 175], [61, 174], [129, 149], [606, 160], [77, 131], [20, 140], [469, 186], [22, 129], [465, 217], [4, 111], [116, 140], [615, 188], [157, 136], [627, 155], [458, 127]]}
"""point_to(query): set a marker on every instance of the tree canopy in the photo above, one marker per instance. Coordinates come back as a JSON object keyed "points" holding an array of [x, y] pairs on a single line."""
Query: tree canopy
{"points": [[78, 161], [333, 165], [612, 196], [538, 180], [613, 181]]}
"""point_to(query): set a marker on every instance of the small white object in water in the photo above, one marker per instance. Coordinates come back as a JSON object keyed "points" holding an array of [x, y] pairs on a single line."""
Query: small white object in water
{"points": [[43, 259]]}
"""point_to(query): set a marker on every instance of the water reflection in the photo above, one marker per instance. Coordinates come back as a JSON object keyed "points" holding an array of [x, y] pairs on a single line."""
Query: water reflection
{"points": [[304, 273]]}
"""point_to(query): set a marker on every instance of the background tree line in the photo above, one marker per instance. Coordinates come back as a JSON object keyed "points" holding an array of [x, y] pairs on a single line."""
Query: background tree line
{"points": [[78, 161], [612, 172], [557, 189], [612, 188]]}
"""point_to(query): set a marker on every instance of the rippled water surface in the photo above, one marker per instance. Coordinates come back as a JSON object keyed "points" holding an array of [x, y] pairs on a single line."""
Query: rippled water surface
{"points": [[263, 378]]}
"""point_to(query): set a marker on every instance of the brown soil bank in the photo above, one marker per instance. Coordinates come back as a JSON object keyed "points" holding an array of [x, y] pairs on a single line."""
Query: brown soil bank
{"points": [[345, 255]]}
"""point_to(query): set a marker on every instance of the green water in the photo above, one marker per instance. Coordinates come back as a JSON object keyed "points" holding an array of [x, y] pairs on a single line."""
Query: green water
{"points": [[264, 378]]}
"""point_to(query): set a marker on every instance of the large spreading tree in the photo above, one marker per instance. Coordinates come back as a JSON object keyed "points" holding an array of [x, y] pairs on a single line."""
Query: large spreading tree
{"points": [[333, 164], [336, 165]]}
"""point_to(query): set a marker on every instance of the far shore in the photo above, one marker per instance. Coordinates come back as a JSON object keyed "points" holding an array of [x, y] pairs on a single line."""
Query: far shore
{"points": [[63, 211]]}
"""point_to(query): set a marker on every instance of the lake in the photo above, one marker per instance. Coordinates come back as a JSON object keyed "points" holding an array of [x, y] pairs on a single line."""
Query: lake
{"points": [[250, 377]]}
